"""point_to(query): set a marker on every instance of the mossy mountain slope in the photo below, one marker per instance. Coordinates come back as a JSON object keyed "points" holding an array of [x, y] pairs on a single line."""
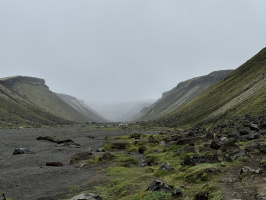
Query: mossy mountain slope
{"points": [[81, 107], [241, 92], [37, 93], [16, 111], [181, 94]]}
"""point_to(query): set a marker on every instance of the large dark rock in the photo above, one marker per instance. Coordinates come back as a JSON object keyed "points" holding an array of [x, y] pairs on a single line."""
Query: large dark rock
{"points": [[54, 164], [158, 185], [218, 142], [200, 159], [166, 166], [135, 135], [234, 154], [22, 151], [2, 197], [177, 193], [202, 196], [142, 149]]}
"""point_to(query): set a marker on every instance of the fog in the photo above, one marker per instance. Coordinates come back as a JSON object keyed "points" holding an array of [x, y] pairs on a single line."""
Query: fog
{"points": [[122, 51]]}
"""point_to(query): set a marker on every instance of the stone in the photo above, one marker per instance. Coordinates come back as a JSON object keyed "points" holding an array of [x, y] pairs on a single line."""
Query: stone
{"points": [[54, 164], [177, 193], [160, 186], [87, 196], [142, 149], [18, 151], [166, 166], [2, 197], [234, 154], [200, 159], [99, 150], [202, 196], [218, 142]]}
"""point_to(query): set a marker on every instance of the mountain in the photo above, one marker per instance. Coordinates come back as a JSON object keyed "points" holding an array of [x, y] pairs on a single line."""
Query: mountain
{"points": [[180, 95], [35, 94], [242, 92], [81, 107], [16, 111]]}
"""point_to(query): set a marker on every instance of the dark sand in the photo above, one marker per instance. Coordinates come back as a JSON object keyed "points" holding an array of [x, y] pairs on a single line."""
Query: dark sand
{"points": [[25, 176]]}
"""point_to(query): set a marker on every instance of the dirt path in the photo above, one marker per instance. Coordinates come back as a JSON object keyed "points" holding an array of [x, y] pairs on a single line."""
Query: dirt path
{"points": [[25, 176]]}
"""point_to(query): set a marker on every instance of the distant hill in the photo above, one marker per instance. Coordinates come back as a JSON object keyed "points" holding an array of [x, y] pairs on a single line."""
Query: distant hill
{"points": [[180, 95], [242, 92], [29, 101], [81, 107]]}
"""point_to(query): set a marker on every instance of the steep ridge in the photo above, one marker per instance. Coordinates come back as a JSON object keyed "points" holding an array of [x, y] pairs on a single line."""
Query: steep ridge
{"points": [[241, 92], [16, 111], [181, 94], [35, 90], [81, 107]]}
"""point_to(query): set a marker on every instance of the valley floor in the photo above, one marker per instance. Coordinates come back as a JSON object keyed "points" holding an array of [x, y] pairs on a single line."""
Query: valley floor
{"points": [[26, 176]]}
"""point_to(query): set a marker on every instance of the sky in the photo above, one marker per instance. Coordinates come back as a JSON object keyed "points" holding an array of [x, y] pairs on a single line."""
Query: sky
{"points": [[113, 51]]}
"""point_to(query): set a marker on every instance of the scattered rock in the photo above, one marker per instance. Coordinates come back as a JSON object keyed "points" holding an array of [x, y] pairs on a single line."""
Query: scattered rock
{"points": [[22, 151], [200, 159], [2, 197], [177, 193], [202, 196], [81, 156], [54, 164], [261, 195], [234, 154], [166, 166], [218, 142], [162, 143], [142, 149], [158, 185], [246, 169], [87, 196], [99, 150]]}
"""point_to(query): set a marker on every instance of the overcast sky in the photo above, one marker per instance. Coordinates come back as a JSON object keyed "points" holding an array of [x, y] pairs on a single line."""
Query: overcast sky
{"points": [[126, 50]]}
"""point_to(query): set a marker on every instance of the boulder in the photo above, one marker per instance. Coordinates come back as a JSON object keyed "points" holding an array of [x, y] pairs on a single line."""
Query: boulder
{"points": [[252, 136], [218, 142], [78, 157], [87, 196], [166, 166], [99, 150], [142, 149], [234, 154], [160, 186], [202, 196], [177, 193], [2, 197], [22, 151], [54, 164], [200, 159]]}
